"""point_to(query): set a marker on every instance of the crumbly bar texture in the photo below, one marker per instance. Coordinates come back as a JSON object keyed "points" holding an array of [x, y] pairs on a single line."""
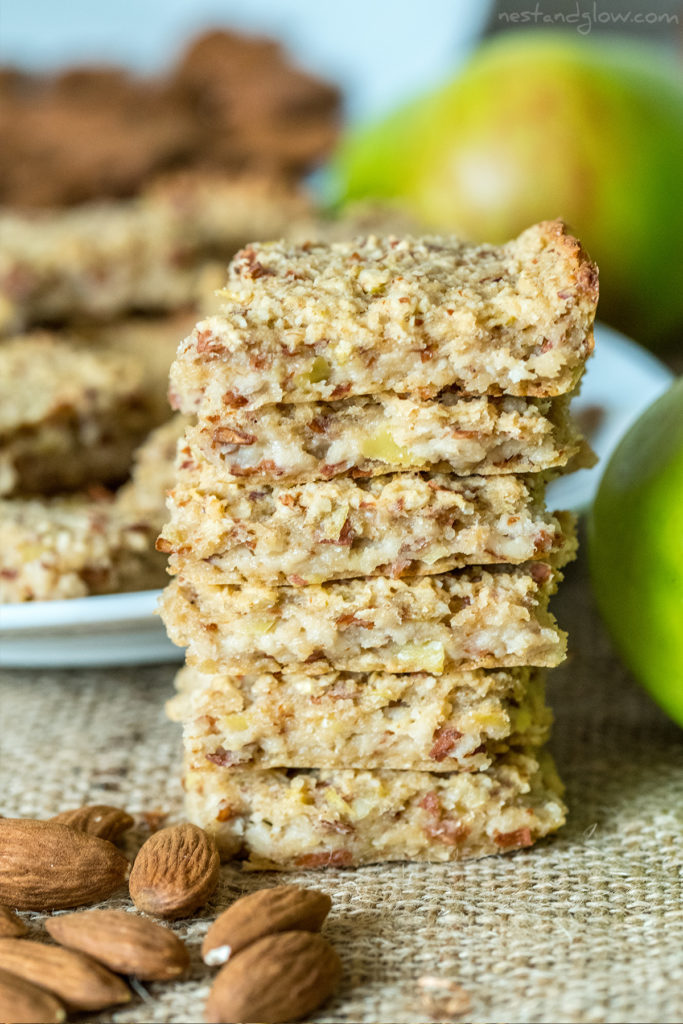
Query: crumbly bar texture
{"points": [[69, 417], [335, 818], [102, 260], [387, 433], [323, 322], [399, 525], [459, 721], [73, 547], [467, 619]]}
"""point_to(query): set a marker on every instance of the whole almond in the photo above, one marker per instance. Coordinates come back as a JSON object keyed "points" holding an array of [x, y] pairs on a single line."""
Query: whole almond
{"points": [[11, 925], [48, 866], [99, 820], [285, 908], [124, 942], [24, 1003], [79, 982], [279, 978], [175, 872]]}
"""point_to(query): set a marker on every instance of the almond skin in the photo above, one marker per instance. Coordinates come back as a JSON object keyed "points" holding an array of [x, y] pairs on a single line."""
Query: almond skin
{"points": [[99, 820], [79, 982], [24, 1003], [123, 942], [175, 872], [48, 866], [279, 978], [11, 925], [285, 908]]}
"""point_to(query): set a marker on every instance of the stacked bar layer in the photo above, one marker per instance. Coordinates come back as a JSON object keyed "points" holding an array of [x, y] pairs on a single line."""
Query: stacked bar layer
{"points": [[328, 818], [362, 554], [402, 524], [387, 433], [470, 619], [458, 721], [327, 322]]}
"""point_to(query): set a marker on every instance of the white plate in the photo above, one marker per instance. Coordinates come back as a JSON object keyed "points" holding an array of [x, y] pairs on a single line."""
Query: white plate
{"points": [[124, 629], [110, 629]]}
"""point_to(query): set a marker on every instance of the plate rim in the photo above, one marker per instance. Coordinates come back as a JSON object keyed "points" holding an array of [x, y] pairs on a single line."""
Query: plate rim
{"points": [[135, 605]]}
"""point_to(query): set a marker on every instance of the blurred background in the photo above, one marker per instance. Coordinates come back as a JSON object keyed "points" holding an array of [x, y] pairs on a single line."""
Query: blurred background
{"points": [[472, 116], [378, 53]]}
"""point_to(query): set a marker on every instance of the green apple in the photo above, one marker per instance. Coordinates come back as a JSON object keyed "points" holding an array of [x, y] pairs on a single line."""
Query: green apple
{"points": [[636, 549], [541, 125]]}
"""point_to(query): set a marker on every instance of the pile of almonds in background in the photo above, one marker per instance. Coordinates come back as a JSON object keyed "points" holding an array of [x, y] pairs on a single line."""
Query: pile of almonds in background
{"points": [[274, 966]]}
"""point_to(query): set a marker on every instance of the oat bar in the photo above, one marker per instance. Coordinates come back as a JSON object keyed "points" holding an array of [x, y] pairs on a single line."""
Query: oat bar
{"points": [[323, 322], [458, 721], [152, 341], [102, 260], [69, 417], [85, 544], [466, 619], [334, 818], [400, 525], [73, 547], [387, 433]]}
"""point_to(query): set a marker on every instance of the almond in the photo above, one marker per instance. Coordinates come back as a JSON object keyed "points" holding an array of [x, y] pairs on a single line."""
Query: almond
{"points": [[285, 908], [24, 1003], [11, 925], [175, 872], [80, 983], [279, 978], [48, 866], [99, 820], [124, 942]]}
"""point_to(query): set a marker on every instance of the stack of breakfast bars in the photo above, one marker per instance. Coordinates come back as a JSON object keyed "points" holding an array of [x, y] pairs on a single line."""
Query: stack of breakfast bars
{"points": [[361, 552]]}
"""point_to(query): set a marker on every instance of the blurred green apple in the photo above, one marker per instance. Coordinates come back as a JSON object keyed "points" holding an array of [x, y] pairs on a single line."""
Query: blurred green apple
{"points": [[636, 549], [540, 125]]}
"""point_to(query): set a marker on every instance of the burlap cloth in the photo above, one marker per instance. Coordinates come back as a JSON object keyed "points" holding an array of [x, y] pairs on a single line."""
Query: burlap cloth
{"points": [[587, 926]]}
